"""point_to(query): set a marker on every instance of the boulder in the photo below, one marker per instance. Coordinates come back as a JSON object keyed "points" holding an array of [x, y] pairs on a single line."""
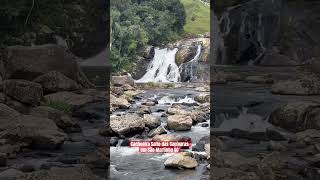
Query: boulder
{"points": [[61, 119], [117, 91], [184, 54], [55, 81], [11, 174], [119, 102], [202, 98], [151, 121], [179, 122], [72, 99], [127, 124], [296, 116], [305, 86], [24, 91], [121, 80], [29, 62], [97, 159], [173, 110], [181, 161], [36, 132], [144, 110], [273, 58], [233, 160]]}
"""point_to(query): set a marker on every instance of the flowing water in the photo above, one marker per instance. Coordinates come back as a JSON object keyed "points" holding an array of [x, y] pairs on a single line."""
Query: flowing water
{"points": [[163, 67], [128, 163]]}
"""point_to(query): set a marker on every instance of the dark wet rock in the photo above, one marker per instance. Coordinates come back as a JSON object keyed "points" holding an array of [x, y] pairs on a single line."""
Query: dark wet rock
{"points": [[114, 141], [205, 125], [121, 80], [277, 134], [305, 86], [296, 116], [179, 122], [151, 121], [127, 124], [308, 137], [3, 159], [259, 79], [95, 110], [157, 131], [27, 168], [18, 106], [200, 144], [55, 81], [239, 133], [24, 91], [30, 62], [200, 158], [61, 119]]}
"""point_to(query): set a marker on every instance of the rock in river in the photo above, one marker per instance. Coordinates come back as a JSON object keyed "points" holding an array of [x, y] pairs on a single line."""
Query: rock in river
{"points": [[179, 122], [127, 124], [297, 116], [24, 91], [181, 160]]}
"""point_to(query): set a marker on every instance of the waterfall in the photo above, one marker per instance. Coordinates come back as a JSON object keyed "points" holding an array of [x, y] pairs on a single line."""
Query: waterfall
{"points": [[187, 68], [162, 68]]}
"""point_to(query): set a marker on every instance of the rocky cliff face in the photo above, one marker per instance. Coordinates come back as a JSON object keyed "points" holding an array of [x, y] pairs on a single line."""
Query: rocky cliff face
{"points": [[266, 32]]}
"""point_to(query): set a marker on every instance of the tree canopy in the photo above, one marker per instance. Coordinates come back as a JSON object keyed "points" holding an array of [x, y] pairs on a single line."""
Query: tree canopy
{"points": [[137, 23]]}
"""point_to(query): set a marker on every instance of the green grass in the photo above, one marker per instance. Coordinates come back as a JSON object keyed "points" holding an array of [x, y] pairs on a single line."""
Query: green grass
{"points": [[59, 105], [198, 17]]}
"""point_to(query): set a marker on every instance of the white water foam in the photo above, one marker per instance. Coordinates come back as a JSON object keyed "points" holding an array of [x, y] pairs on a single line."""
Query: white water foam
{"points": [[170, 100], [163, 67]]}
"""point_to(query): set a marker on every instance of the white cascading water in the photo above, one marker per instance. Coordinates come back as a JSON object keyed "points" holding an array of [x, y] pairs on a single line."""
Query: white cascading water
{"points": [[163, 67]]}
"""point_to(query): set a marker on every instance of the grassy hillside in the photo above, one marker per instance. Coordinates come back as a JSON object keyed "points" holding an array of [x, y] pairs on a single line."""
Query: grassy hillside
{"points": [[198, 17]]}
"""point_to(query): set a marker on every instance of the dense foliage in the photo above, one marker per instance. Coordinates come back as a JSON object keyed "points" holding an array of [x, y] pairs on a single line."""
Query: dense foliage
{"points": [[137, 23]]}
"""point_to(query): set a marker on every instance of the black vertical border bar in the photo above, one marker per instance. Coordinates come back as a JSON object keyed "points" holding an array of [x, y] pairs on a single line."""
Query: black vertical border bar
{"points": [[212, 90]]}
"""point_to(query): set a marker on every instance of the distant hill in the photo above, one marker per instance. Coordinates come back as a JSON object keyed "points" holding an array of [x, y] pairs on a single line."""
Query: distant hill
{"points": [[198, 16]]}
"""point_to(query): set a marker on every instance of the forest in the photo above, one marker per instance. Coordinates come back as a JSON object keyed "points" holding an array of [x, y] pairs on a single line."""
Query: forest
{"points": [[138, 23]]}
